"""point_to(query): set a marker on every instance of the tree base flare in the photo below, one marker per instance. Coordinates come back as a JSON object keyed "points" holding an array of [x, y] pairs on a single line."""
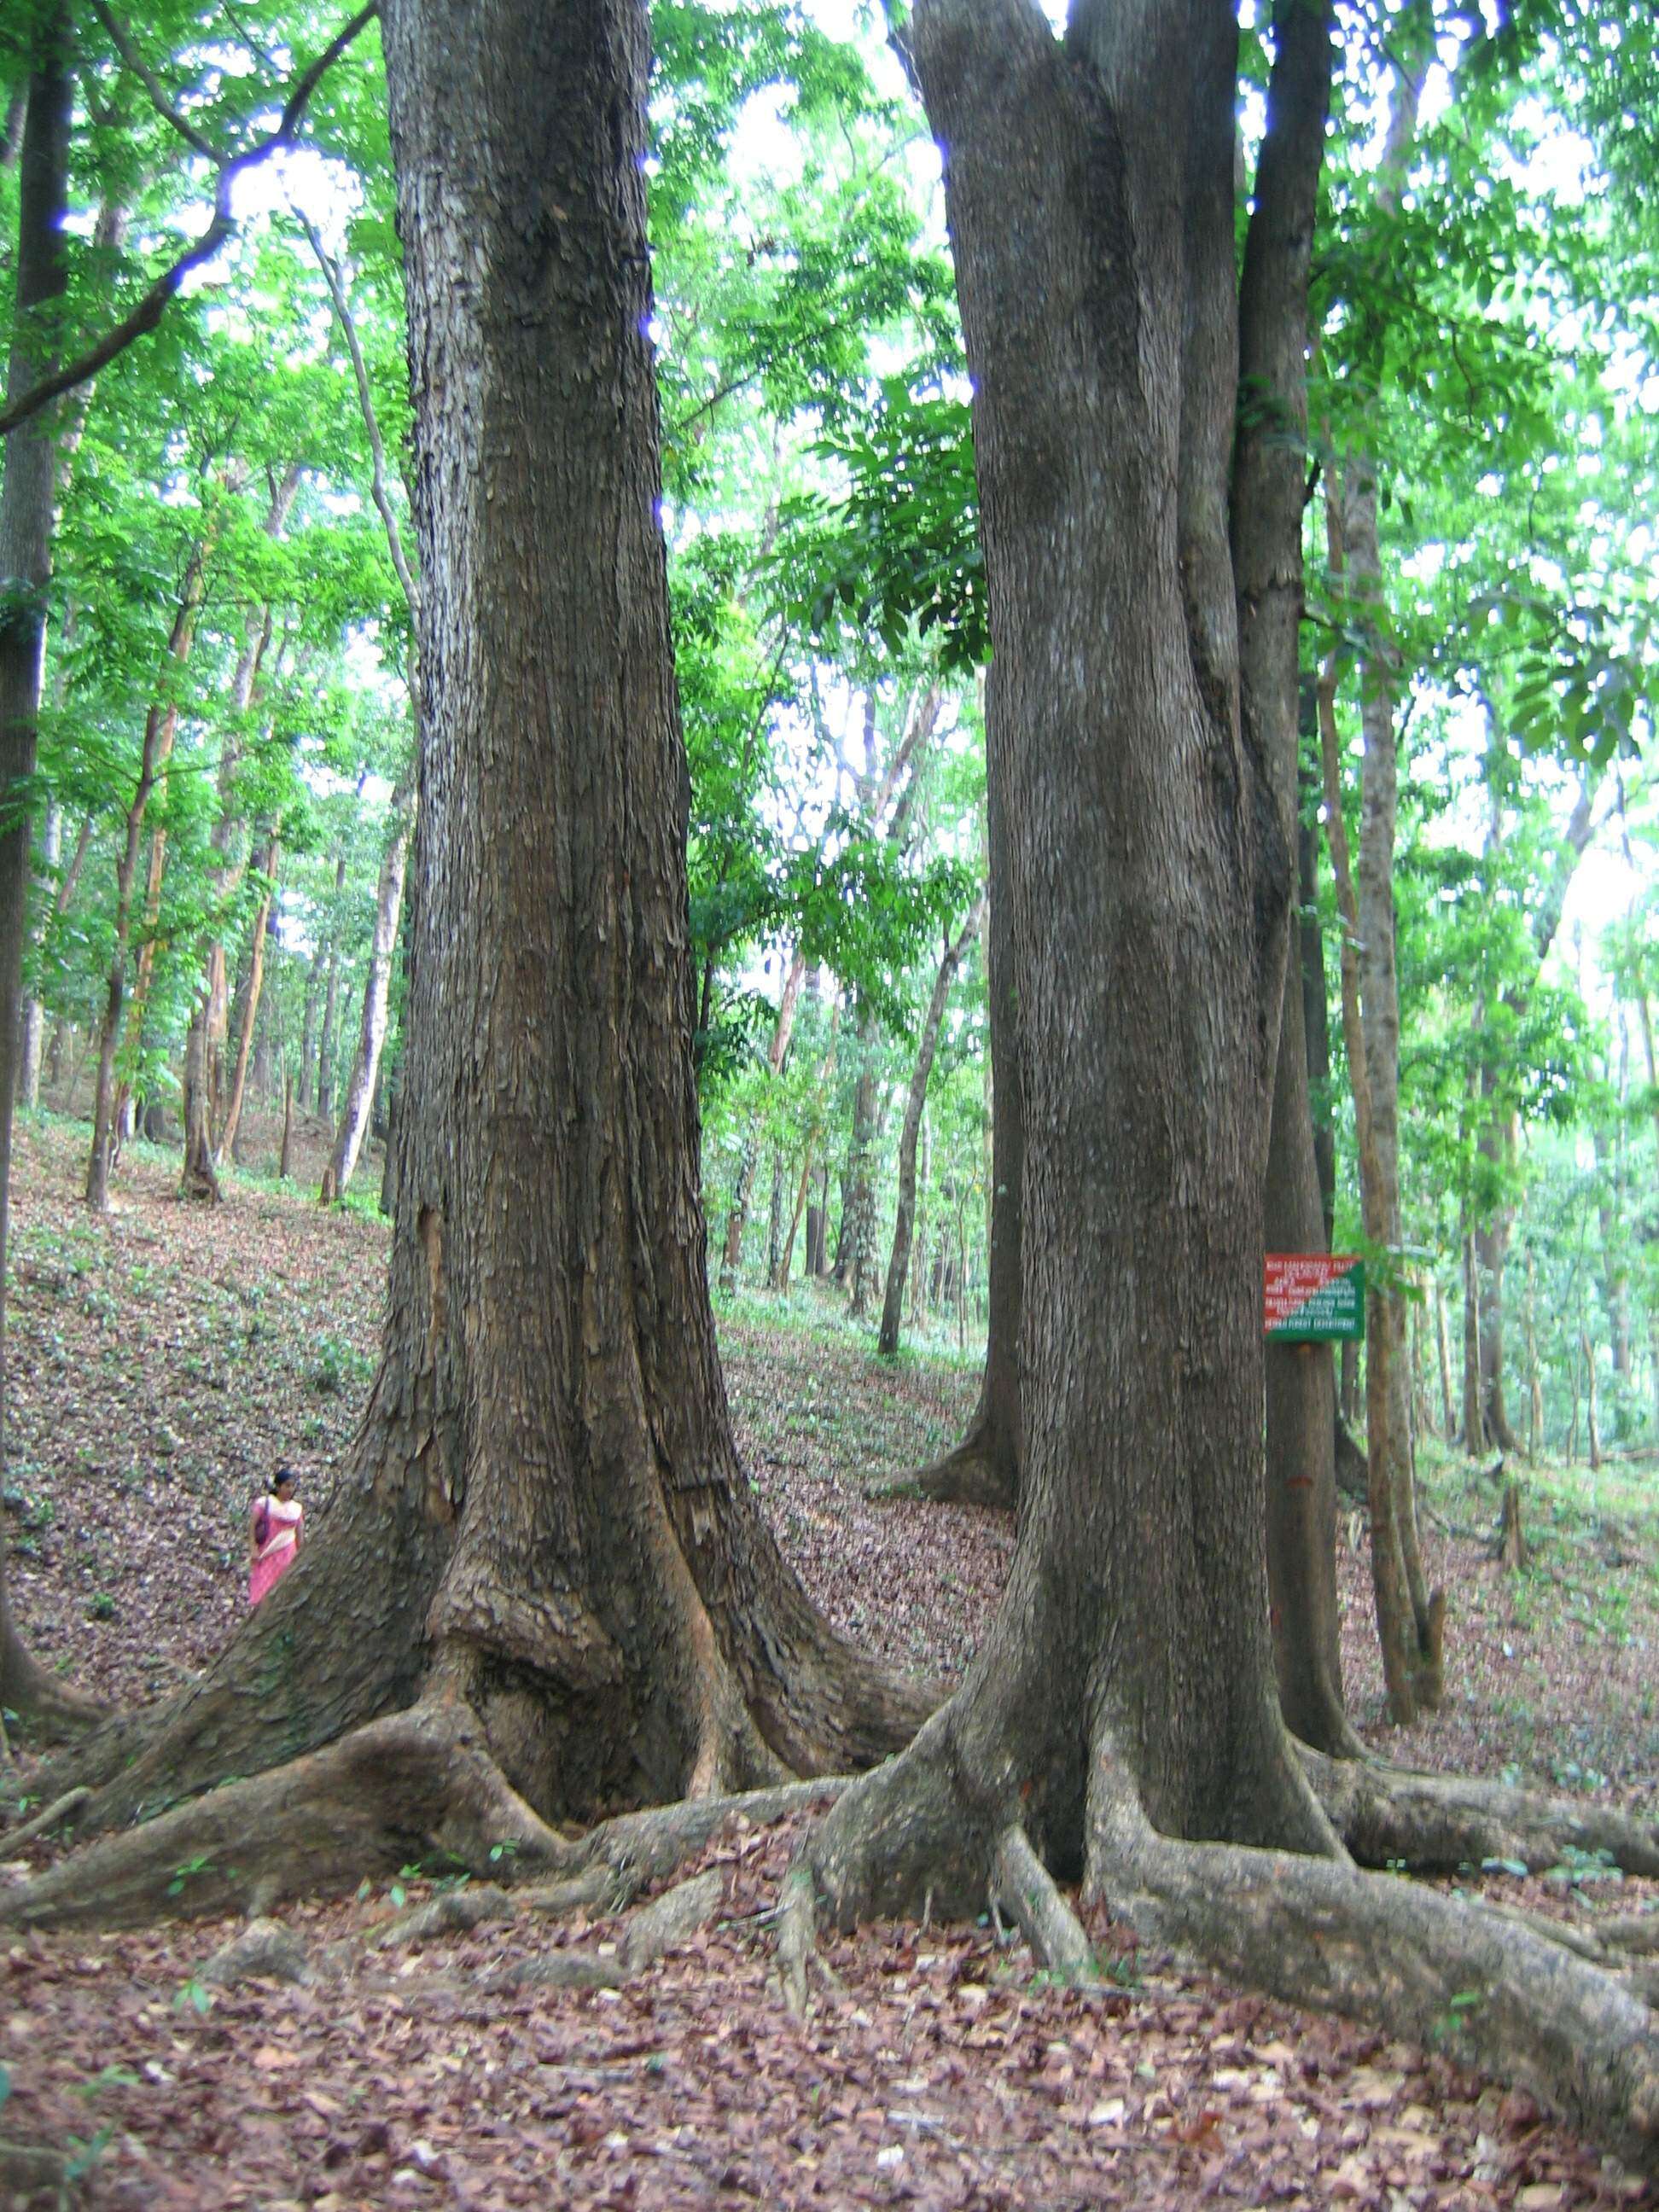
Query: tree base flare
{"points": [[980, 1471], [1487, 1988]]}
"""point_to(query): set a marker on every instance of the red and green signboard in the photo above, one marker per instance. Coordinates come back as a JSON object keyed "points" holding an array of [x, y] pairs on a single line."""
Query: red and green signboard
{"points": [[1313, 1298]]}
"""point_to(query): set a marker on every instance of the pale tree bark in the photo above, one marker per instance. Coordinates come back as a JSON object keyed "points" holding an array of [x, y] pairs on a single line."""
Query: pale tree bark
{"points": [[543, 1573], [33, 1020], [27, 509], [813, 1136], [1474, 1425], [326, 1049], [256, 977], [160, 724], [377, 993], [209, 1019], [737, 1215], [389, 897], [898, 1264], [984, 1468], [887, 793], [1500, 1125]]}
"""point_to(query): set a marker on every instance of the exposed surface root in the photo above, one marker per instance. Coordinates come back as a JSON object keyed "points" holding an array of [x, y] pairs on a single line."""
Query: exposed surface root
{"points": [[61, 1810], [1026, 1889], [655, 1930], [976, 1472], [649, 1845], [417, 1781], [672, 1919], [1430, 1969], [797, 1937], [263, 1951], [1387, 1815]]}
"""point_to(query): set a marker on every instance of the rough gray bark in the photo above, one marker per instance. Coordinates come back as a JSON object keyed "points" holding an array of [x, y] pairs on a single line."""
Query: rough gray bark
{"points": [[1121, 1716], [545, 1534]]}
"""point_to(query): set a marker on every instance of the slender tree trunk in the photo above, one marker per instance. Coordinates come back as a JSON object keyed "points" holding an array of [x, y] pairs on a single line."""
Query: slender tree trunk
{"points": [[285, 1161], [898, 1264], [1407, 1653], [1443, 1348], [308, 1029], [984, 1468], [146, 963], [1474, 1430], [1615, 1275], [1498, 1141], [775, 1216], [160, 724], [780, 1280], [256, 977], [326, 1046], [918, 1292], [1535, 1382], [1592, 1401], [857, 1220], [782, 1029], [27, 508], [377, 989], [33, 1024]]}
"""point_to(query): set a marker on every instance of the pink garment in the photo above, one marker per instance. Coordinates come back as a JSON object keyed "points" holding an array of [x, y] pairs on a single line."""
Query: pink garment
{"points": [[276, 1554]]}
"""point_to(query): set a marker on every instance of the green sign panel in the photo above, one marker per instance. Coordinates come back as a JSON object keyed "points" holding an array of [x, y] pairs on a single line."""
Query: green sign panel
{"points": [[1313, 1298]]}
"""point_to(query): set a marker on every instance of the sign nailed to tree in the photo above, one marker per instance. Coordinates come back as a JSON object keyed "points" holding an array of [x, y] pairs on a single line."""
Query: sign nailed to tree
{"points": [[1313, 1298]]}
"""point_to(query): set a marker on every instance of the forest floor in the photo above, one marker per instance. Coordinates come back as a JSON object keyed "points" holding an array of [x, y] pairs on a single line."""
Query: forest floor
{"points": [[163, 1360]]}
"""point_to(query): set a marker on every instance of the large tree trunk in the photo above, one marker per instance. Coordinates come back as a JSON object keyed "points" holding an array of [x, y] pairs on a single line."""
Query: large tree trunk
{"points": [[376, 991], [26, 500], [1146, 888], [1121, 1715], [544, 1527], [898, 1264]]}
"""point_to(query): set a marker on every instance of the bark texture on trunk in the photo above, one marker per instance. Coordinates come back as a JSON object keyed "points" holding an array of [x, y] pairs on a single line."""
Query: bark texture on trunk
{"points": [[1147, 886], [898, 1264], [1121, 1714], [545, 1522]]}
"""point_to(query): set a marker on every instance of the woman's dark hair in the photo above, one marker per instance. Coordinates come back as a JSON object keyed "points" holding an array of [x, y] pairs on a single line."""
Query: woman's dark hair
{"points": [[284, 1474]]}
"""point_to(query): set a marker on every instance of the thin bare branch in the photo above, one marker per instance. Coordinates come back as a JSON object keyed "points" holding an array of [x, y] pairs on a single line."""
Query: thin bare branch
{"points": [[154, 305]]}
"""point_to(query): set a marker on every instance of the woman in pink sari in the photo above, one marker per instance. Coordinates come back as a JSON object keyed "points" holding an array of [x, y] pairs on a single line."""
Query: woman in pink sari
{"points": [[275, 1533]]}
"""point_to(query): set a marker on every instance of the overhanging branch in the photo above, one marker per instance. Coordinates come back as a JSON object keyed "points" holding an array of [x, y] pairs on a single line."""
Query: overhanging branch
{"points": [[147, 313]]}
